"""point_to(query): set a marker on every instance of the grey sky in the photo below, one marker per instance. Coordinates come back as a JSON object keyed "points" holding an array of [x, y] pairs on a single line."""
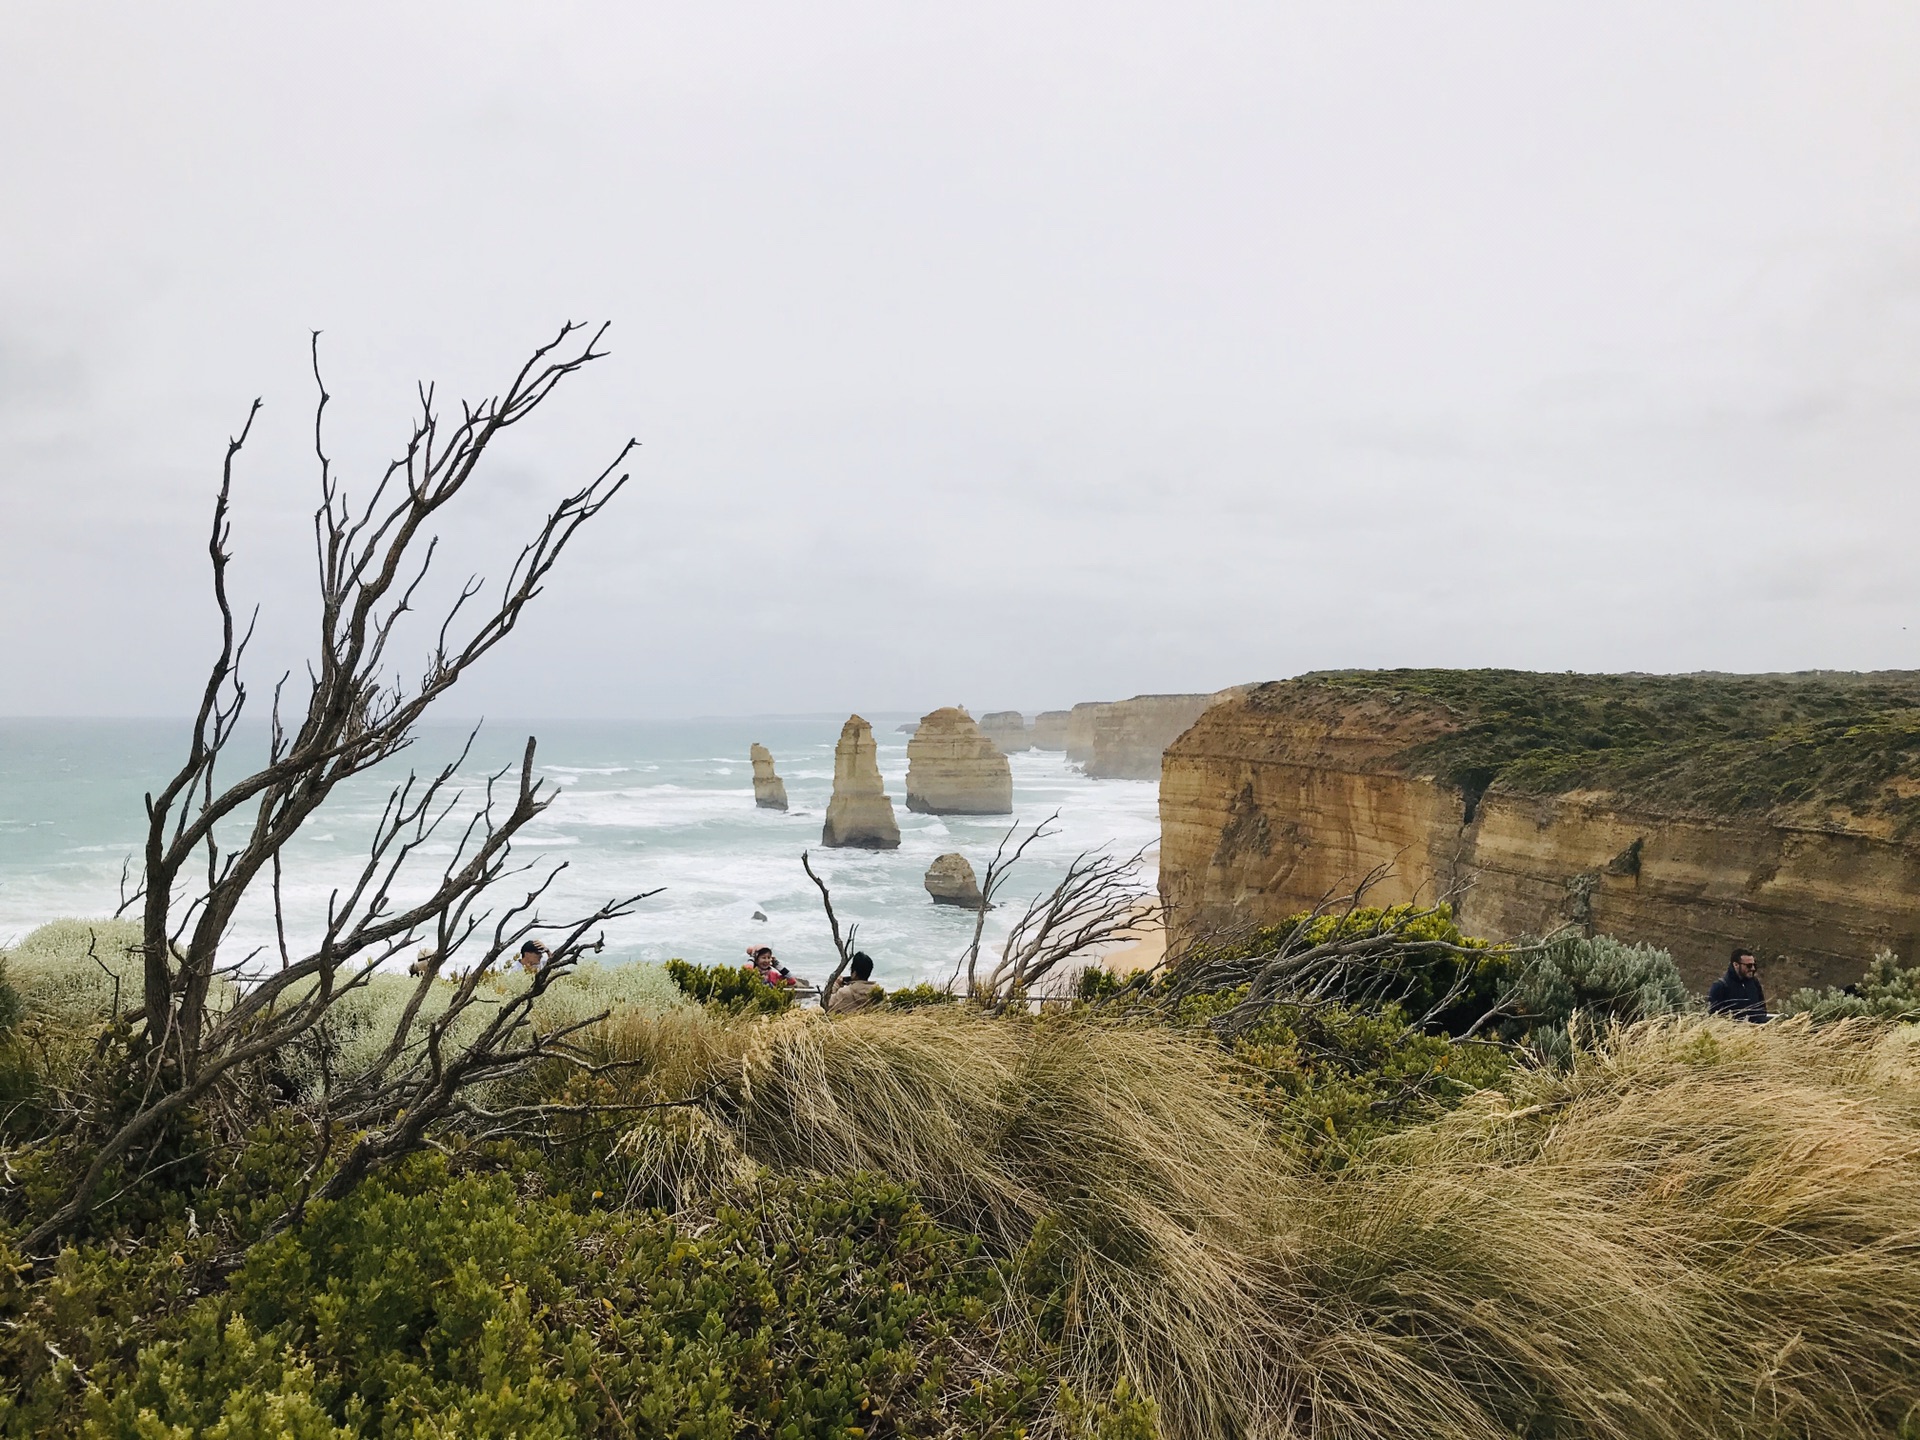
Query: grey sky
{"points": [[1003, 354]]}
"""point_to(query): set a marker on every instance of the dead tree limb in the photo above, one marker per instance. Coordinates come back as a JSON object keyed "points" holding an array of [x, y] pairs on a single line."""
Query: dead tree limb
{"points": [[843, 946], [209, 838]]}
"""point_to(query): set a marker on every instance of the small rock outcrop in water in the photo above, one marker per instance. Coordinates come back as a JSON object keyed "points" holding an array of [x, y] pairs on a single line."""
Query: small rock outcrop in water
{"points": [[1007, 729], [860, 813], [954, 769], [769, 790], [950, 882], [1050, 730]]}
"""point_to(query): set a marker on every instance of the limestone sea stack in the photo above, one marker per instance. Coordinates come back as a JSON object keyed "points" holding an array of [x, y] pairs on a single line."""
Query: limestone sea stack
{"points": [[950, 881], [1007, 729], [769, 790], [954, 769], [860, 814], [1049, 730]]}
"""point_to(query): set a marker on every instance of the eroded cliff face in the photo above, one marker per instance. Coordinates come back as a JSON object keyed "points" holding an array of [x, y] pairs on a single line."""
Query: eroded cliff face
{"points": [[1280, 797], [1126, 738], [1050, 730]]}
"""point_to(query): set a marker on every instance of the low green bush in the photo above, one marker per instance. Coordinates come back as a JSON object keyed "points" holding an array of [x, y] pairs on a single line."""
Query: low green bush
{"points": [[731, 989], [1887, 991], [1594, 981], [916, 997], [434, 1302], [1428, 968]]}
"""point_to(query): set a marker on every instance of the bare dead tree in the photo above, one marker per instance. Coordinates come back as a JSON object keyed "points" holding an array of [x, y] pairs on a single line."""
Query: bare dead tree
{"points": [[843, 946], [1097, 902], [209, 838]]}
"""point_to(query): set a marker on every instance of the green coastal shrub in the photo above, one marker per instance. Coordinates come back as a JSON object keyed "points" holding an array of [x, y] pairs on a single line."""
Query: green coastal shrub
{"points": [[1421, 967], [917, 997], [1888, 991], [430, 1303], [1592, 980], [731, 989]]}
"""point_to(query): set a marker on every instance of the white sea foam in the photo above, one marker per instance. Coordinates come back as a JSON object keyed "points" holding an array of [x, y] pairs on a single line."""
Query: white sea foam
{"points": [[688, 827]]}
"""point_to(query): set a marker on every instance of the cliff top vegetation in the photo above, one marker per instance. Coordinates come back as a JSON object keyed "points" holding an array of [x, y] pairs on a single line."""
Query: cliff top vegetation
{"points": [[1717, 743]]}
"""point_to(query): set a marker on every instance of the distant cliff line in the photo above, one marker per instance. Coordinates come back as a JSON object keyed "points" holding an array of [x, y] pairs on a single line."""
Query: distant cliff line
{"points": [[1692, 811]]}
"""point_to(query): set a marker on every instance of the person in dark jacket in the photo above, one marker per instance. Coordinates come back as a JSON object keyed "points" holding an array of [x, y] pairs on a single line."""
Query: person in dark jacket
{"points": [[1737, 993]]}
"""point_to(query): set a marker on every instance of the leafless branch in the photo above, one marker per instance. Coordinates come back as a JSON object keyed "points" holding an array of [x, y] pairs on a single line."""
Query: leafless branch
{"points": [[210, 837]]}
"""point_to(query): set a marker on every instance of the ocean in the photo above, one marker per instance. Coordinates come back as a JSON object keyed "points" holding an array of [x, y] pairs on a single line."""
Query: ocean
{"points": [[642, 805]]}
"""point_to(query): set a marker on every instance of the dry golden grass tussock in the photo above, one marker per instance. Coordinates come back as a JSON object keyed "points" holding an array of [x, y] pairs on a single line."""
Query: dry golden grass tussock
{"points": [[1703, 1230]]}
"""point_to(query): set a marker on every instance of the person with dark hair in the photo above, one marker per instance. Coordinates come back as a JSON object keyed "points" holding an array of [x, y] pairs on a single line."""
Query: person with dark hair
{"points": [[1737, 994], [859, 992], [531, 954], [769, 969]]}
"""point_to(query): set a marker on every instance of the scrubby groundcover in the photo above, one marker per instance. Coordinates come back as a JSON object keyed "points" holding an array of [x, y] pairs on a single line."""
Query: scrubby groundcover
{"points": [[1098, 1222]]}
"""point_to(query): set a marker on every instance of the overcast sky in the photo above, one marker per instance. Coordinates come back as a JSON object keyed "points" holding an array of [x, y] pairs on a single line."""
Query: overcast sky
{"points": [[1008, 355]]}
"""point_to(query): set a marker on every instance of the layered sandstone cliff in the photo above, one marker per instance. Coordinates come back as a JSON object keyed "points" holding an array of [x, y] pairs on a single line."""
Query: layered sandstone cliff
{"points": [[1050, 730], [1007, 729], [860, 814], [1294, 791], [1080, 723], [954, 769], [1128, 737], [769, 790]]}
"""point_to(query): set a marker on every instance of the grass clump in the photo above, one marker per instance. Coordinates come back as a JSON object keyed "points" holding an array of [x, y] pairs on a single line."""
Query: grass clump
{"points": [[1689, 1231]]}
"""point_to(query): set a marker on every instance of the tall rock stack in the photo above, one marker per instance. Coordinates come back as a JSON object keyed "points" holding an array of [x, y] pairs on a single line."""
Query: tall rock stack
{"points": [[954, 769], [860, 814], [1007, 729], [769, 790], [1050, 730]]}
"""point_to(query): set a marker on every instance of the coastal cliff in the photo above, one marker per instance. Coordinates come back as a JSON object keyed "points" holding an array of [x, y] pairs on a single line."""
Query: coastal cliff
{"points": [[1126, 738], [1692, 812]]}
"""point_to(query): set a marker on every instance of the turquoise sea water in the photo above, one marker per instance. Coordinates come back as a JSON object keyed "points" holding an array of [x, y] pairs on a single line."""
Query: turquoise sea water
{"points": [[643, 805]]}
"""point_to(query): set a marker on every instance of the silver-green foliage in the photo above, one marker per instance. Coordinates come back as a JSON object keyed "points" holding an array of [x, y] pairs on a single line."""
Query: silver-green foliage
{"points": [[360, 1027], [1888, 991], [71, 971], [1593, 981]]}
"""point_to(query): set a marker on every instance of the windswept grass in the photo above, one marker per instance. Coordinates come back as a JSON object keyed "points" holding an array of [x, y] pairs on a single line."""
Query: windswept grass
{"points": [[1701, 1229]]}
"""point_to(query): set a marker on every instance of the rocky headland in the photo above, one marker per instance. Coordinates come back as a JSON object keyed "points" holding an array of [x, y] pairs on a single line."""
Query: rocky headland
{"points": [[1050, 730], [1007, 729], [1124, 739], [860, 814], [769, 790], [954, 769], [1692, 812]]}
